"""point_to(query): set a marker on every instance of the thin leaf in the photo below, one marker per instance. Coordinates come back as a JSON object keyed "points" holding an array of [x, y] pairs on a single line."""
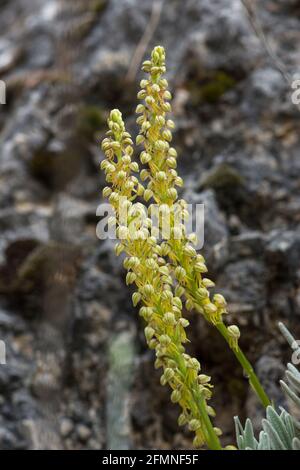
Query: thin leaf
{"points": [[287, 335], [279, 427], [264, 441], [250, 440], [290, 393], [276, 442]]}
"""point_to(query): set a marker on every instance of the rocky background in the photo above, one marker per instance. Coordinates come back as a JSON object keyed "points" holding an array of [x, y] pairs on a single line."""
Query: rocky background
{"points": [[78, 374]]}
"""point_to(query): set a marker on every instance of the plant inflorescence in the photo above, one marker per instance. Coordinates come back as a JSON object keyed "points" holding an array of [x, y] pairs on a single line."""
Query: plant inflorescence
{"points": [[168, 272]]}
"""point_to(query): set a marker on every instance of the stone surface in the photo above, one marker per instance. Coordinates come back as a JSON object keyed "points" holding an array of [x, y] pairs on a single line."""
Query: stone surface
{"points": [[62, 291]]}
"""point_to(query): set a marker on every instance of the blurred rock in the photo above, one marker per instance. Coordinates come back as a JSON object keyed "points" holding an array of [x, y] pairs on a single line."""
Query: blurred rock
{"points": [[65, 65]]}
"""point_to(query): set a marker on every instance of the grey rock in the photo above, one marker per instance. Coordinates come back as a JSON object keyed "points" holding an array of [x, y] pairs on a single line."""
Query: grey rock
{"points": [[244, 284], [283, 252], [83, 432], [66, 427]]}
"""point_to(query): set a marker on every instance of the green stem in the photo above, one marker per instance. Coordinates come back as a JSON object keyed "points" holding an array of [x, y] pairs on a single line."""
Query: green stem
{"points": [[213, 441], [247, 367]]}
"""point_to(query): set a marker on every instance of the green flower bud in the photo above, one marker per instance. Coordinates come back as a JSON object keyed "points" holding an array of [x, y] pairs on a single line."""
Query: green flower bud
{"points": [[200, 268], [178, 182], [134, 167], [163, 380], [169, 374], [165, 271], [121, 175], [158, 364], [161, 176], [167, 135], [106, 191], [160, 121], [145, 126], [180, 273], [219, 301], [146, 313], [146, 65], [163, 83], [202, 293], [144, 83], [148, 194], [198, 441], [172, 152], [207, 282], [153, 344], [194, 425], [129, 149], [166, 107], [140, 139], [104, 164], [149, 333], [150, 100], [115, 116], [148, 290], [210, 309], [136, 298], [167, 95], [142, 94], [155, 88], [172, 193], [167, 296], [171, 162], [179, 291], [177, 302], [164, 340], [169, 319], [144, 173], [194, 364], [218, 432], [129, 184], [165, 249], [182, 420], [234, 335], [160, 145], [189, 250], [126, 160], [130, 278], [204, 379], [133, 262], [183, 322], [170, 124], [140, 109], [211, 412], [176, 397]]}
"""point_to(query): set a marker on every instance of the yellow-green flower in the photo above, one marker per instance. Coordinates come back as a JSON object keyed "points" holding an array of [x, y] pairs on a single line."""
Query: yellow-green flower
{"points": [[147, 269]]}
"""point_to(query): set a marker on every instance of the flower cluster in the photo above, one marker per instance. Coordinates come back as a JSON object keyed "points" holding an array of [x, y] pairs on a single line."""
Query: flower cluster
{"points": [[161, 304], [160, 158], [168, 274]]}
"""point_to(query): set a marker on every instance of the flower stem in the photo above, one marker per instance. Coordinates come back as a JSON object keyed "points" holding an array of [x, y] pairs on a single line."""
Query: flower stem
{"points": [[247, 367], [213, 441]]}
